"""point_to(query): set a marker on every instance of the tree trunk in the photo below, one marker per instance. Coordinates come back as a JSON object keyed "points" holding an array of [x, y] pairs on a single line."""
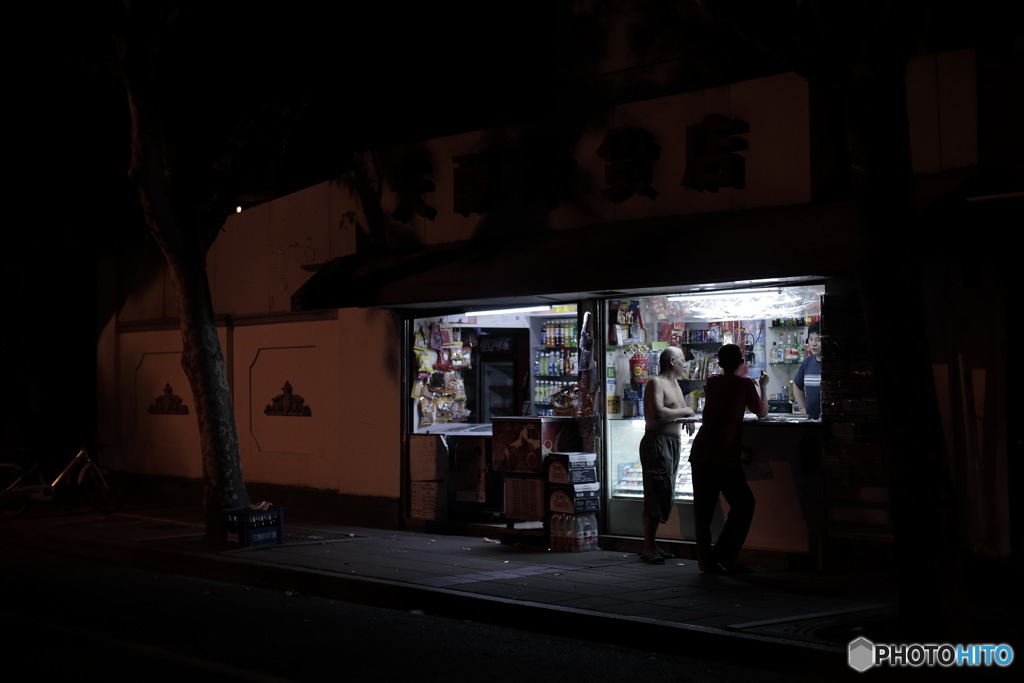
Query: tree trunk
{"points": [[180, 241]]}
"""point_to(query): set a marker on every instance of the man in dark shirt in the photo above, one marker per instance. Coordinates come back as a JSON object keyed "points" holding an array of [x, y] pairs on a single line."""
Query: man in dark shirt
{"points": [[716, 466]]}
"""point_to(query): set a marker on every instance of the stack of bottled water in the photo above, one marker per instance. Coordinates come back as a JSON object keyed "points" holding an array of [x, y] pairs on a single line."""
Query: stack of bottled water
{"points": [[573, 533]]}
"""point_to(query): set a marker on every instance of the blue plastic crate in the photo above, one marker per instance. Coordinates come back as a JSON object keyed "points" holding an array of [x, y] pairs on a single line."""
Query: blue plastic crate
{"points": [[246, 527]]}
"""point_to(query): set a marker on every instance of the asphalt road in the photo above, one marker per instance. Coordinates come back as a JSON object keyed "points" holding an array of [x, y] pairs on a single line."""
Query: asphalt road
{"points": [[66, 617]]}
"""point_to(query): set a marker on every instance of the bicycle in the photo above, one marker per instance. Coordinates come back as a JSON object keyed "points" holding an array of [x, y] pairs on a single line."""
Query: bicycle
{"points": [[21, 484]]}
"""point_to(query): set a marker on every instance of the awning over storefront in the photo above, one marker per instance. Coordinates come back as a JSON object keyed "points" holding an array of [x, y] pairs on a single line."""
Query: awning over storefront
{"points": [[604, 260]]}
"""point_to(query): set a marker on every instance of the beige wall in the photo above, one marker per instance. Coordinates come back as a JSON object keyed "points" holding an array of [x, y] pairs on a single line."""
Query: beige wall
{"points": [[343, 367], [258, 260], [148, 361], [343, 370]]}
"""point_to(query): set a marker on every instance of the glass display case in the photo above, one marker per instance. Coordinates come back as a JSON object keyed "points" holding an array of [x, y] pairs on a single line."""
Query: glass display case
{"points": [[625, 476]]}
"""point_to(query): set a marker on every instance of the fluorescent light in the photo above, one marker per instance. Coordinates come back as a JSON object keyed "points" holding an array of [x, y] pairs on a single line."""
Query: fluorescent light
{"points": [[759, 281], [690, 296], [500, 311], [750, 304]]}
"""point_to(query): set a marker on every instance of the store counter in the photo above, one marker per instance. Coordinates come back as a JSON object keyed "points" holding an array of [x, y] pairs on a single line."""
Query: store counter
{"points": [[458, 429], [784, 474]]}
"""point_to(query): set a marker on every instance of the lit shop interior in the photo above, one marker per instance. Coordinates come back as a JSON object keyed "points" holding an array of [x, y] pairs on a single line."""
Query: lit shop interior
{"points": [[569, 378]]}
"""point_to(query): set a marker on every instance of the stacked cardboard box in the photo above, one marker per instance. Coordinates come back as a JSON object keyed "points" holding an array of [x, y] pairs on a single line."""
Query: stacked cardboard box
{"points": [[428, 473], [522, 446], [573, 495]]}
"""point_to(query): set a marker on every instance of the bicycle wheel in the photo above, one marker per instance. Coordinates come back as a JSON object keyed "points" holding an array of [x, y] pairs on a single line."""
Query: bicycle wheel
{"points": [[101, 486], [14, 501]]}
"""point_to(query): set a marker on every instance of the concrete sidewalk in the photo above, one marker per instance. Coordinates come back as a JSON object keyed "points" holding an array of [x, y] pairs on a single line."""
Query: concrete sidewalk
{"points": [[602, 594]]}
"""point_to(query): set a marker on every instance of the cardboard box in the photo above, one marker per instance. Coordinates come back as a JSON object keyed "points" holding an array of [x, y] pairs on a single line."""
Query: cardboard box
{"points": [[522, 443], [428, 458], [470, 464], [429, 499], [524, 498], [572, 468], [574, 498]]}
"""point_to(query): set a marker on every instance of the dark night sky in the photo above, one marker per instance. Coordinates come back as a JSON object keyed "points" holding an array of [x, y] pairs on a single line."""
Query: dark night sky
{"points": [[370, 75], [365, 76]]}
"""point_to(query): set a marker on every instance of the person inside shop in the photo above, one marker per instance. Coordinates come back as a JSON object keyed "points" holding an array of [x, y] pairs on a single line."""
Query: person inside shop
{"points": [[660, 447], [716, 463], [807, 383]]}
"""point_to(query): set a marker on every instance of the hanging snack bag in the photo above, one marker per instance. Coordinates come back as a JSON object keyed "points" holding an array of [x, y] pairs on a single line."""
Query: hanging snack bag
{"points": [[426, 410]]}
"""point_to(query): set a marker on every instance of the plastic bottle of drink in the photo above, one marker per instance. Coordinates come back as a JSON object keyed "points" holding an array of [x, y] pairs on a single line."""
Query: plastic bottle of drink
{"points": [[588, 531], [567, 520], [559, 532]]}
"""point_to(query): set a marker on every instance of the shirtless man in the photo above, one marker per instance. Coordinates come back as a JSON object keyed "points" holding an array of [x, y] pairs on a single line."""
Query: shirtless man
{"points": [[660, 446]]}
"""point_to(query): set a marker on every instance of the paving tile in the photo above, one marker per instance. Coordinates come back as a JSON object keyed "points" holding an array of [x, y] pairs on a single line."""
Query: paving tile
{"points": [[609, 604], [600, 576], [533, 570], [558, 584], [445, 581], [511, 591]]}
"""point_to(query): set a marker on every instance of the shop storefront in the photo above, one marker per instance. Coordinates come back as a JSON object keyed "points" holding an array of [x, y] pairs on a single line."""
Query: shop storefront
{"points": [[526, 417], [612, 269]]}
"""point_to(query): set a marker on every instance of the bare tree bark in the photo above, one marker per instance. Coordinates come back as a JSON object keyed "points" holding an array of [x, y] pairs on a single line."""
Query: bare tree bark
{"points": [[179, 237]]}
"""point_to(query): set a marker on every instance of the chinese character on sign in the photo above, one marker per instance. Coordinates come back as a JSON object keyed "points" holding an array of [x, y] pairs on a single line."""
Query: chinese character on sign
{"points": [[408, 168], [711, 162], [550, 173], [411, 200], [629, 154], [475, 182]]}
